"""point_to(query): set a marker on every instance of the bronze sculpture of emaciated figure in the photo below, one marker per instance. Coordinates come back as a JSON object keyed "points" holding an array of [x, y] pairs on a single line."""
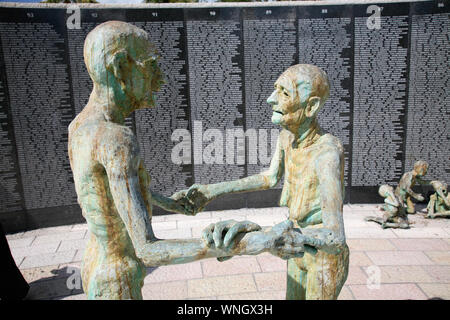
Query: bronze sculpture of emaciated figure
{"points": [[439, 204], [404, 191], [312, 163], [112, 184], [394, 212]]}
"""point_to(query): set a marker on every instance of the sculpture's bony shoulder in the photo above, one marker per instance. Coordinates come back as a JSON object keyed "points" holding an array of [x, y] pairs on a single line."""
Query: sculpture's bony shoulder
{"points": [[329, 144]]}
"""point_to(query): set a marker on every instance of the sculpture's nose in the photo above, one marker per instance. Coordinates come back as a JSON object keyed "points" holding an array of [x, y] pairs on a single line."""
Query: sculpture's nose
{"points": [[273, 98]]}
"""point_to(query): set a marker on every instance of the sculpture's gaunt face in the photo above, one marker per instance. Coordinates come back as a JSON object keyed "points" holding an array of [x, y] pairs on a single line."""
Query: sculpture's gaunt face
{"points": [[289, 100], [284, 99], [421, 170], [146, 75]]}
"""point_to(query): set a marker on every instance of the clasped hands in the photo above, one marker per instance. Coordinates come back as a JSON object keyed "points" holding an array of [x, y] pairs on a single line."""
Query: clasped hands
{"points": [[194, 199], [281, 240]]}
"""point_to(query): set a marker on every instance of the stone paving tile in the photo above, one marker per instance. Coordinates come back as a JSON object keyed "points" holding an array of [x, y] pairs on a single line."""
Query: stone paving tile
{"points": [[174, 234], [421, 233], [369, 233], [80, 296], [370, 244], [402, 291], [263, 220], [420, 244], [13, 236], [235, 213], [439, 273], [272, 281], [46, 290], [236, 265], [264, 295], [182, 217], [79, 226], [356, 223], [18, 260], [203, 298], [42, 273], [47, 259], [35, 250], [398, 258], [48, 231], [399, 274], [194, 223], [221, 286], [439, 257], [270, 263], [174, 272], [72, 244], [197, 232], [359, 259], [345, 294], [164, 225], [364, 206], [436, 290], [356, 276], [59, 237], [20, 242], [78, 256], [176, 290]]}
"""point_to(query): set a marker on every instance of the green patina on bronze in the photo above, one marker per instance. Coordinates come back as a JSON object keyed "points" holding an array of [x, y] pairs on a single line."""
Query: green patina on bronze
{"points": [[439, 204], [113, 191], [312, 163], [394, 212], [404, 191]]}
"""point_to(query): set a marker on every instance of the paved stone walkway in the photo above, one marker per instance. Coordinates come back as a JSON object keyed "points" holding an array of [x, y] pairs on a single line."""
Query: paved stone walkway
{"points": [[410, 264]]}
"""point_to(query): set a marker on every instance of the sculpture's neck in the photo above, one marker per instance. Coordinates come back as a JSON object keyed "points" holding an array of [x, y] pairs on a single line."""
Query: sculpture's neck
{"points": [[105, 106], [307, 133]]}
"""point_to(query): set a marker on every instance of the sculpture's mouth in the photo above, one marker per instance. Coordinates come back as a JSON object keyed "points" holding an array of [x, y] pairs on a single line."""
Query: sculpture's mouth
{"points": [[277, 111]]}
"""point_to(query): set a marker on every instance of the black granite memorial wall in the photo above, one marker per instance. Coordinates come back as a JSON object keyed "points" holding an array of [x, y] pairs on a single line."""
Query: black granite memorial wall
{"points": [[389, 104]]}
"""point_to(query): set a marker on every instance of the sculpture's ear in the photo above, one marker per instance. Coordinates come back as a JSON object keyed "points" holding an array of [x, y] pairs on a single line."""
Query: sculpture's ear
{"points": [[119, 64], [313, 106]]}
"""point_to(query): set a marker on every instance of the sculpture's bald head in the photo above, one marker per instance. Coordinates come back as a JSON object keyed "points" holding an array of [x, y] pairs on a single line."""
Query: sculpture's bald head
{"points": [[421, 167], [119, 56], [309, 77], [299, 94]]}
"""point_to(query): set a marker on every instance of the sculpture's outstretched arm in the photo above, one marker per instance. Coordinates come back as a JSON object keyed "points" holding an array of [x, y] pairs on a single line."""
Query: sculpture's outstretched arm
{"points": [[328, 170], [152, 198], [121, 161], [422, 181], [200, 195], [416, 196]]}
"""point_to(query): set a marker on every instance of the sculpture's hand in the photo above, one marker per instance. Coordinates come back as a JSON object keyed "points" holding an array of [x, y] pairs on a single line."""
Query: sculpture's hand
{"points": [[288, 242], [199, 196], [179, 195], [230, 228], [420, 197], [181, 204]]}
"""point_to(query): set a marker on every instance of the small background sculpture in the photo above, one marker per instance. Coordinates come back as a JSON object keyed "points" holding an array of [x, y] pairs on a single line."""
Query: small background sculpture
{"points": [[439, 204]]}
